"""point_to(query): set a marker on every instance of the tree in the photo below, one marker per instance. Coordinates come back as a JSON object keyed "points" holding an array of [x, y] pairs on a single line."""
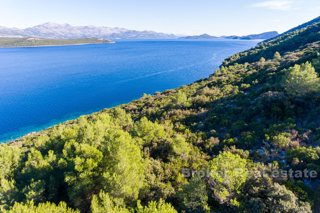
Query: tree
{"points": [[9, 161], [123, 165], [277, 56], [301, 80], [180, 147], [83, 162], [193, 196], [228, 173], [180, 99], [307, 154], [149, 132], [156, 207], [41, 207], [104, 203], [261, 63], [115, 165], [282, 140], [274, 198]]}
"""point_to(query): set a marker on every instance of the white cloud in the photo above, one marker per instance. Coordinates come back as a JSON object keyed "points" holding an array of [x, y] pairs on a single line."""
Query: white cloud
{"points": [[274, 4]]}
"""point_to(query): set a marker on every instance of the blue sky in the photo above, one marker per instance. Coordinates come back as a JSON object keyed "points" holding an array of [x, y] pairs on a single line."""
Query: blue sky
{"points": [[216, 17]]}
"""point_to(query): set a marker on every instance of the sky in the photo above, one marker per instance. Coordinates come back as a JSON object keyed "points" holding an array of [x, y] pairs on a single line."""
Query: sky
{"points": [[184, 17]]}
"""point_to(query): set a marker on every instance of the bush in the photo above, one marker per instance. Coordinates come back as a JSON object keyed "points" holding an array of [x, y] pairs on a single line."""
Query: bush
{"points": [[301, 80], [282, 140]]}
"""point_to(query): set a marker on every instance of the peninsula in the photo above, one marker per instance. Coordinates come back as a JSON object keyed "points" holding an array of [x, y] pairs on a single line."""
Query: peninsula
{"points": [[35, 42]]}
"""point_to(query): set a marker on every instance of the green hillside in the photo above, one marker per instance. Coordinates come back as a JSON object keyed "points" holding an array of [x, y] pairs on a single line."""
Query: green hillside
{"points": [[34, 42], [217, 145], [297, 37]]}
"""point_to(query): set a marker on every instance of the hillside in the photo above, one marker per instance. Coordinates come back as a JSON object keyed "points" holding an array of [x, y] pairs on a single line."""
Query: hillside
{"points": [[221, 144], [314, 21], [34, 42], [262, 36], [285, 42]]}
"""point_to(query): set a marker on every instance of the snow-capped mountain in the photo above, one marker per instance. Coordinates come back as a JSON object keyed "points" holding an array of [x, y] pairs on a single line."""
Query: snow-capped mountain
{"points": [[66, 31]]}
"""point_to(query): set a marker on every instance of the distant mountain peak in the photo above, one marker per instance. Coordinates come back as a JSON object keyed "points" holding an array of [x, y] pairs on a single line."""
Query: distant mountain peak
{"points": [[51, 24]]}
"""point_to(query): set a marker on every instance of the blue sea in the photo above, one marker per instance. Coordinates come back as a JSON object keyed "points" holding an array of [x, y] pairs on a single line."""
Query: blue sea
{"points": [[42, 86]]}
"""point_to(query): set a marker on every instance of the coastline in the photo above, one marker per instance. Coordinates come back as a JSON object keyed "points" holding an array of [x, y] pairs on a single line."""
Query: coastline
{"points": [[34, 130], [14, 137], [57, 45]]}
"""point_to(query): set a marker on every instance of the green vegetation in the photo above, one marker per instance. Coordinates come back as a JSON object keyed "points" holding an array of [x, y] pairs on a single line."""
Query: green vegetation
{"points": [[34, 42], [302, 80], [228, 172], [199, 148], [42, 207]]}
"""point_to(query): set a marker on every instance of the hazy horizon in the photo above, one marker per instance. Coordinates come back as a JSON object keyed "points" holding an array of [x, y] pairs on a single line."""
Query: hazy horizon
{"points": [[129, 29], [241, 17]]}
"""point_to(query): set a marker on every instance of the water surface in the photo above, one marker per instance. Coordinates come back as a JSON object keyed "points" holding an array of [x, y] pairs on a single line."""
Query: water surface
{"points": [[42, 86]]}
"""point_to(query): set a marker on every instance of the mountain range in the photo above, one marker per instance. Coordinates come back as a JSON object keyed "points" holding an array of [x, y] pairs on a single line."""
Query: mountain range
{"points": [[67, 31], [262, 36]]}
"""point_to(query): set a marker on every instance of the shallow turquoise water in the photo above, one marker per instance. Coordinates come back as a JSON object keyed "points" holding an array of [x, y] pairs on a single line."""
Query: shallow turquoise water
{"points": [[42, 86]]}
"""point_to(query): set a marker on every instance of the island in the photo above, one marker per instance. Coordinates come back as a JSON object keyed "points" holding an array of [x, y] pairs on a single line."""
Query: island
{"points": [[36, 42], [260, 36]]}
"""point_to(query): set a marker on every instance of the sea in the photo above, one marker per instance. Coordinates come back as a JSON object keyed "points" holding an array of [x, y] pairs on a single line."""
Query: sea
{"points": [[43, 86]]}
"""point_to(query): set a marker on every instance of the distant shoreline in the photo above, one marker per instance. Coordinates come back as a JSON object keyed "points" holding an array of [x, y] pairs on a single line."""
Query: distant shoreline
{"points": [[55, 45], [7, 42]]}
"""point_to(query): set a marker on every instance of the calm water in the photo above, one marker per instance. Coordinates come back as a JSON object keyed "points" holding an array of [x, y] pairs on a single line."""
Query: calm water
{"points": [[42, 86]]}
